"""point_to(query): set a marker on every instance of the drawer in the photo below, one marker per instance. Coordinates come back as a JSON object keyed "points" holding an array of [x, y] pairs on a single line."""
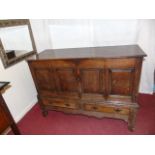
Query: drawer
{"points": [[106, 109], [72, 104]]}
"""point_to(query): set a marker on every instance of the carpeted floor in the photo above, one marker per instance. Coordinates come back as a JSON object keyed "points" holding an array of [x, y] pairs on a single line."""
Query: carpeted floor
{"points": [[60, 123]]}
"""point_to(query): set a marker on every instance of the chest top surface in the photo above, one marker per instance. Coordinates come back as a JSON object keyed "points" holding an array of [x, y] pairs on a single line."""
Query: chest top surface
{"points": [[124, 51]]}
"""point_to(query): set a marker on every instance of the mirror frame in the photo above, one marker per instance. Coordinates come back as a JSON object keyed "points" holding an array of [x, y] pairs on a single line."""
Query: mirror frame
{"points": [[16, 22]]}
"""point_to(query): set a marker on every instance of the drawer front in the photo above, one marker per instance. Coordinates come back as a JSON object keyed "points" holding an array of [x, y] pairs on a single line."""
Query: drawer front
{"points": [[106, 109], [72, 104]]}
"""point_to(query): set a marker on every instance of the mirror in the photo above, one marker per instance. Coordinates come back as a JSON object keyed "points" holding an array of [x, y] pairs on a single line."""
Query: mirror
{"points": [[16, 41]]}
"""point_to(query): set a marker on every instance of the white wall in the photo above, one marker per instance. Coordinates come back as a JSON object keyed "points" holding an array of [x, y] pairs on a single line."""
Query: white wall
{"points": [[41, 34], [85, 33], [146, 40], [22, 95]]}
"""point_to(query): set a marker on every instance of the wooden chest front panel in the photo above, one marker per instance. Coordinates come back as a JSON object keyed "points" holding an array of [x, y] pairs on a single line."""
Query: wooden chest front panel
{"points": [[120, 76], [121, 81], [91, 74], [106, 109], [45, 79], [91, 80], [67, 79], [79, 77], [55, 77], [65, 76], [43, 76]]}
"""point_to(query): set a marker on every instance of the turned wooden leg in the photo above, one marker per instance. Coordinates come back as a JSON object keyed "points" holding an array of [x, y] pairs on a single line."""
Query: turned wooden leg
{"points": [[132, 119], [15, 129], [44, 113]]}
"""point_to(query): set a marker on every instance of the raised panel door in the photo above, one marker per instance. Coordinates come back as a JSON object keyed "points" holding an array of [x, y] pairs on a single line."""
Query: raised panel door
{"points": [[67, 79], [45, 79], [65, 72], [121, 81], [91, 74], [91, 80]]}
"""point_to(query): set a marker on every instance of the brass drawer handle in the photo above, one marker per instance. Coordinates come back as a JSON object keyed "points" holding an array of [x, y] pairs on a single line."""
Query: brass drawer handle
{"points": [[67, 105], [94, 108], [118, 110]]}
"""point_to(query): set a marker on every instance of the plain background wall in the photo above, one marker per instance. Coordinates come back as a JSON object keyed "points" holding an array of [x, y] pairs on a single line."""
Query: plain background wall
{"points": [[41, 34], [22, 95], [146, 40], [86, 33]]}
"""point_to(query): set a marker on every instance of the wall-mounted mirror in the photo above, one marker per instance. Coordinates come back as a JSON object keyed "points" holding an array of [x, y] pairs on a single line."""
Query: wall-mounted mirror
{"points": [[16, 41]]}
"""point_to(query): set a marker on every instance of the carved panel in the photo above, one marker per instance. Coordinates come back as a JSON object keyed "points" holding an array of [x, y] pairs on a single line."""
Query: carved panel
{"points": [[92, 80], [45, 79], [121, 81], [67, 79]]}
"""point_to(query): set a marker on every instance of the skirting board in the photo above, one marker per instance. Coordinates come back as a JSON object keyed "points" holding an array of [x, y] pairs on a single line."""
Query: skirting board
{"points": [[28, 108], [146, 92]]}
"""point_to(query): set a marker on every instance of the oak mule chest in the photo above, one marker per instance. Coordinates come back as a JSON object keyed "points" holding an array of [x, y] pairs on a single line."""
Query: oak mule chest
{"points": [[94, 81]]}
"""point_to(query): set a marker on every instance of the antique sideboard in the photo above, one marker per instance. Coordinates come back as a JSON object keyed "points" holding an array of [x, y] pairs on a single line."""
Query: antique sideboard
{"points": [[94, 81], [6, 119]]}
